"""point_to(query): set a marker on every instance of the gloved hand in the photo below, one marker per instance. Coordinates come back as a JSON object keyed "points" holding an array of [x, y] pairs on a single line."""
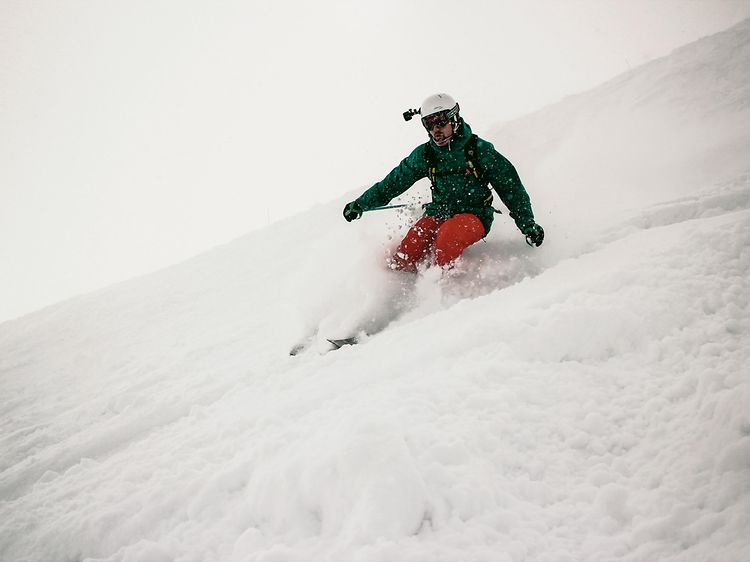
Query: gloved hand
{"points": [[353, 211], [534, 234]]}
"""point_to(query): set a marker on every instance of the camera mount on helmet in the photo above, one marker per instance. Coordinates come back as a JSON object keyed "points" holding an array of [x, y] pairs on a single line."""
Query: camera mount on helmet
{"points": [[409, 113]]}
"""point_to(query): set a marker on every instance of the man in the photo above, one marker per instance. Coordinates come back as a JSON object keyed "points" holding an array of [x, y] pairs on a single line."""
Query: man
{"points": [[459, 165]]}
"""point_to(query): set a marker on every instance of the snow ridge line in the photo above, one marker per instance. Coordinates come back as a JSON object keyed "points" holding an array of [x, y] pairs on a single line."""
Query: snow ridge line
{"points": [[729, 198], [703, 205]]}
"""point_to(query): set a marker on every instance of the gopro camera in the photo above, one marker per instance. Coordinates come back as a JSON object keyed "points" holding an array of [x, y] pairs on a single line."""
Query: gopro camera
{"points": [[409, 113]]}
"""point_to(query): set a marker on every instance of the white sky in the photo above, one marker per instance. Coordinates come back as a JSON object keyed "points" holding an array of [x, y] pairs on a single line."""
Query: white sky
{"points": [[135, 134]]}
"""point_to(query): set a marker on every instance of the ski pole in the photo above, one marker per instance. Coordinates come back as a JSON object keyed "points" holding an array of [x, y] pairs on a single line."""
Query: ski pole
{"points": [[384, 208]]}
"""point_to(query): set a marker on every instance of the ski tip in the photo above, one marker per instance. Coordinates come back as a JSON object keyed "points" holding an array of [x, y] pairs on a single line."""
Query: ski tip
{"points": [[338, 344], [299, 348]]}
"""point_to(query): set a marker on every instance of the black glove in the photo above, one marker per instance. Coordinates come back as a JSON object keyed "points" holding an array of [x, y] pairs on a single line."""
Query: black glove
{"points": [[352, 211], [534, 234]]}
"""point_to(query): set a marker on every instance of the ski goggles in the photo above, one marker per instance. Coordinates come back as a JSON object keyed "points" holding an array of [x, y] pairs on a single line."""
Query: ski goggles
{"points": [[436, 120]]}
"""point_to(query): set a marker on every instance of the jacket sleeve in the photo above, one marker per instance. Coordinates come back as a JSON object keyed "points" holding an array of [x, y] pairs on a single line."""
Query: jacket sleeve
{"points": [[402, 177], [504, 179]]}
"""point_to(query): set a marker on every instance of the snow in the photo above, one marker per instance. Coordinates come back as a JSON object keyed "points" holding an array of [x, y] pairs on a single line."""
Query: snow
{"points": [[587, 400]]}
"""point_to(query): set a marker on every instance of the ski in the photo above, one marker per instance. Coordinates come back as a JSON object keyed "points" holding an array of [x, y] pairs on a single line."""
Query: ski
{"points": [[338, 344], [308, 342]]}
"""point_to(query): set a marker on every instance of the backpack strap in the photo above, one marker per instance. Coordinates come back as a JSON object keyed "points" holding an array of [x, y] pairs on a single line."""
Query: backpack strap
{"points": [[472, 160], [431, 157], [475, 167]]}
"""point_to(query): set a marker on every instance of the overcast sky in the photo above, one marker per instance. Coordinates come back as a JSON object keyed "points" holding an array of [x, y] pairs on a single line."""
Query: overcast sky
{"points": [[136, 134]]}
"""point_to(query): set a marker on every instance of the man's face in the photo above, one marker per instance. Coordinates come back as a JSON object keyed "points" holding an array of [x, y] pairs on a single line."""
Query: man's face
{"points": [[439, 127], [441, 135]]}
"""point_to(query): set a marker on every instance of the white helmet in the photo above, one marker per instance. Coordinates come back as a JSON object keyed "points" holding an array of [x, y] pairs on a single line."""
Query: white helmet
{"points": [[442, 104], [437, 103]]}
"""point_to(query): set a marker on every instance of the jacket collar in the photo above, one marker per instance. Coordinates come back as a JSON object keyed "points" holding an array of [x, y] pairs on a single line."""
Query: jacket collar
{"points": [[458, 140]]}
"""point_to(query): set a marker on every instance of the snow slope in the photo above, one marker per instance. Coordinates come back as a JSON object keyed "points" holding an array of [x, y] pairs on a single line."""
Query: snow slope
{"points": [[587, 400]]}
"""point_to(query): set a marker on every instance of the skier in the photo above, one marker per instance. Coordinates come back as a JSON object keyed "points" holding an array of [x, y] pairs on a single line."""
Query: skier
{"points": [[460, 165]]}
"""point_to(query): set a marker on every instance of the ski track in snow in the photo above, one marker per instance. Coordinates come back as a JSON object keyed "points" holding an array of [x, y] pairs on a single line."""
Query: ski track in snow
{"points": [[585, 401]]}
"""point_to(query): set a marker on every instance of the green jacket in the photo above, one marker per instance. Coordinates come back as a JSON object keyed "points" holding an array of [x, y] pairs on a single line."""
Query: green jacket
{"points": [[456, 190]]}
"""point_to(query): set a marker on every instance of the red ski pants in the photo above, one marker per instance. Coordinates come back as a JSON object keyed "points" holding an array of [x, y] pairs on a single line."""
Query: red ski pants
{"points": [[446, 239]]}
